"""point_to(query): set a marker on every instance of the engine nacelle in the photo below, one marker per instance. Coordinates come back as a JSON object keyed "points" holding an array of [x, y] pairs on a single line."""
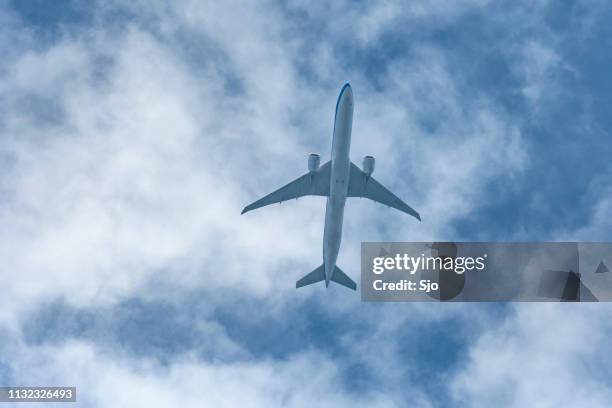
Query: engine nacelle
{"points": [[368, 165], [313, 162]]}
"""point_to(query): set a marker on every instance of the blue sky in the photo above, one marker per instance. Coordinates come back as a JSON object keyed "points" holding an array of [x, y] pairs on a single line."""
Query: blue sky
{"points": [[133, 133]]}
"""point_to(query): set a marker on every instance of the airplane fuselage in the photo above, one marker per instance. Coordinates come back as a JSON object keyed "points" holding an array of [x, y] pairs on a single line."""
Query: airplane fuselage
{"points": [[339, 180]]}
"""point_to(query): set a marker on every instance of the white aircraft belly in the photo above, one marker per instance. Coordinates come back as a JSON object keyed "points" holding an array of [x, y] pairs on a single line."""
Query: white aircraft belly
{"points": [[339, 180]]}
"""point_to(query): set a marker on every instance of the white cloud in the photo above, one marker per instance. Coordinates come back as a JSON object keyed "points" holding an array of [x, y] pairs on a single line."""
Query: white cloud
{"points": [[597, 226], [132, 180], [442, 147], [304, 380], [150, 161], [141, 174], [544, 355]]}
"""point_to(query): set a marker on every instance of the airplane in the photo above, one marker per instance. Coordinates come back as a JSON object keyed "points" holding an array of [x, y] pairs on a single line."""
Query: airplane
{"points": [[337, 179]]}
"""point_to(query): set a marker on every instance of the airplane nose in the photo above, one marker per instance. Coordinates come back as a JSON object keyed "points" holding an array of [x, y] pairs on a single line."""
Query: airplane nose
{"points": [[345, 98], [348, 94]]}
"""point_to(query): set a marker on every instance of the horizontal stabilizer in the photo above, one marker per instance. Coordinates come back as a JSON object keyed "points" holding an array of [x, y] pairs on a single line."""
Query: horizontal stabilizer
{"points": [[318, 275], [313, 277], [341, 278]]}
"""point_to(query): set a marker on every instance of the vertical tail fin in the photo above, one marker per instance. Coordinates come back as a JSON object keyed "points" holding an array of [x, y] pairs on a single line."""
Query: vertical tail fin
{"points": [[318, 275]]}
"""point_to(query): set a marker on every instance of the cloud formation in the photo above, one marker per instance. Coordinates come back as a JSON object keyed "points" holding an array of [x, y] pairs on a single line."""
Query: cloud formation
{"points": [[132, 136]]}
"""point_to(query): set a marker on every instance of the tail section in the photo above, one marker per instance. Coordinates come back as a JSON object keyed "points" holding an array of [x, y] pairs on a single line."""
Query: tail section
{"points": [[342, 278], [318, 275], [313, 277]]}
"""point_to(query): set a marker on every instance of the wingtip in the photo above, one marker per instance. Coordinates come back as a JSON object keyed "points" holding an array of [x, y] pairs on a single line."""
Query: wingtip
{"points": [[244, 210]]}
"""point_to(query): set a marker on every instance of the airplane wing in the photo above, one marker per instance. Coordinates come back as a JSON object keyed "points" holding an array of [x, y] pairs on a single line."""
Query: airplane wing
{"points": [[314, 184], [360, 185]]}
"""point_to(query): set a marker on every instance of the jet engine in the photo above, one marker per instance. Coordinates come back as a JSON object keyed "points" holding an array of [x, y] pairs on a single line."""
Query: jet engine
{"points": [[368, 165], [313, 162]]}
